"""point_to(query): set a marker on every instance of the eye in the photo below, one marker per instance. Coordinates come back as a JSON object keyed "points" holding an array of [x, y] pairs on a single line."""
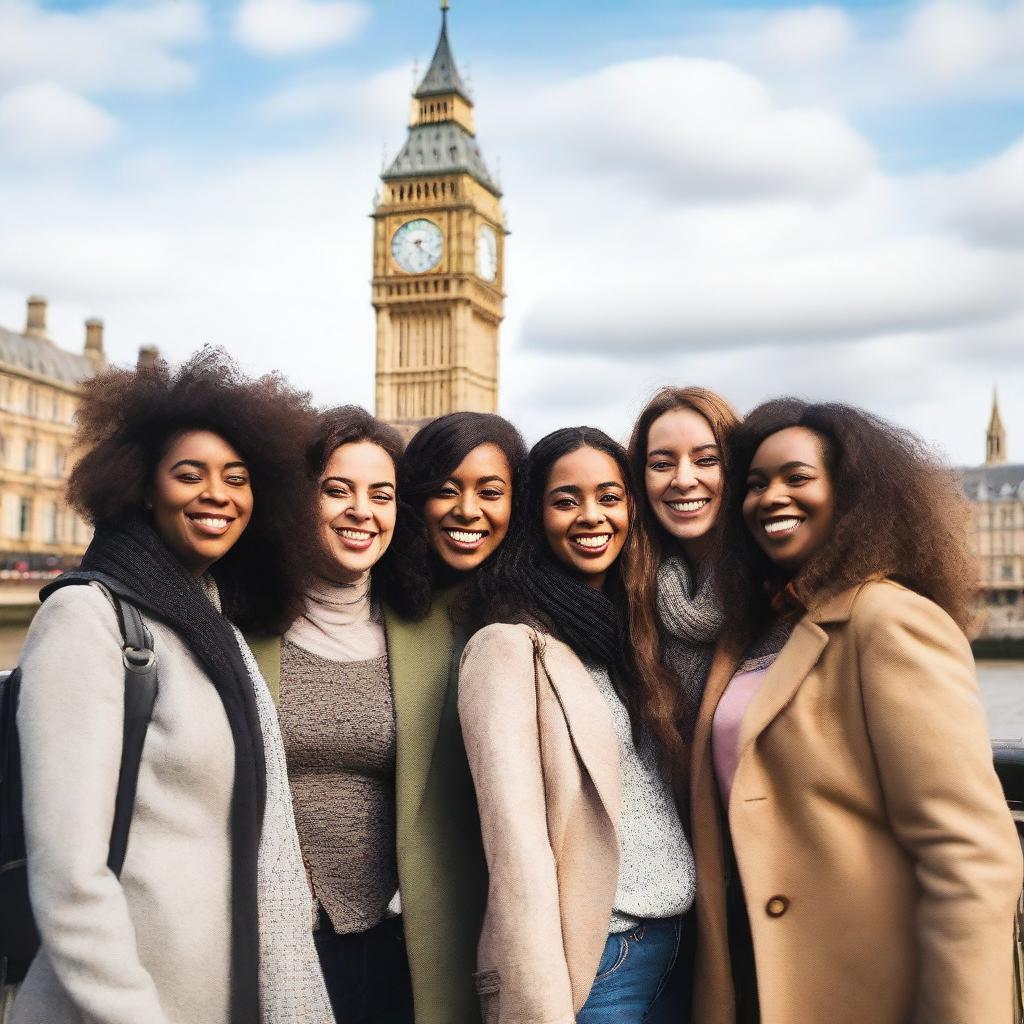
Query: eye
{"points": [[334, 491], [798, 478], [189, 478], [492, 494], [563, 503], [755, 486], [237, 480], [383, 497], [708, 460], [660, 466], [446, 492], [609, 498]]}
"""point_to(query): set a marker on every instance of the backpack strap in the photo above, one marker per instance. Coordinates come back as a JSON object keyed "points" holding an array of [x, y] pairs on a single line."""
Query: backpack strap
{"points": [[140, 688]]}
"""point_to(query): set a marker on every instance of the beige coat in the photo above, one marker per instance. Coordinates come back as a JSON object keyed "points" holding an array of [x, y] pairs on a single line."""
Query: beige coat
{"points": [[545, 763], [879, 862]]}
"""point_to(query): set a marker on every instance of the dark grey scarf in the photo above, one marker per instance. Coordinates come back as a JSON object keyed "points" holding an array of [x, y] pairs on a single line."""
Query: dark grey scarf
{"points": [[691, 620]]}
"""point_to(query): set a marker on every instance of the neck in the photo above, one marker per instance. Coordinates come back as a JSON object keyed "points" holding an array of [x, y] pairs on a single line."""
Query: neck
{"points": [[696, 550]]}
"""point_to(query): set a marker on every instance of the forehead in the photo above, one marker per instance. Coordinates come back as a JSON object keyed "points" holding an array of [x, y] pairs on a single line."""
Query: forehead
{"points": [[199, 446], [483, 460], [585, 467], [361, 460], [679, 429], [794, 444]]}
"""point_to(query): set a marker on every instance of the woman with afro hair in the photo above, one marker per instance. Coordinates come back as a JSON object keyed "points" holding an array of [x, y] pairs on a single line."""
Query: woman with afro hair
{"points": [[855, 856], [190, 478]]}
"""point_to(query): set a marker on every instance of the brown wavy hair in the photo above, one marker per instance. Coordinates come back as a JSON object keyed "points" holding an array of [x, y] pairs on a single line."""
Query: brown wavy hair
{"points": [[128, 418], [900, 513]]}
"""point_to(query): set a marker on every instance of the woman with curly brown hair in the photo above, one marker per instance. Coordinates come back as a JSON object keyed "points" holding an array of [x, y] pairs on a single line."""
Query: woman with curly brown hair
{"points": [[856, 858], [190, 479]]}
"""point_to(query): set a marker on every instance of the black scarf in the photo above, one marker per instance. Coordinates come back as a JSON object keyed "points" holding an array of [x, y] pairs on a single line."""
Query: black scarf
{"points": [[133, 553]]}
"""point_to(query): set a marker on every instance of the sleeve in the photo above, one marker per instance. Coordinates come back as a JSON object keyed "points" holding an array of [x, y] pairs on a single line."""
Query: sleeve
{"points": [[944, 802], [70, 723], [522, 936]]}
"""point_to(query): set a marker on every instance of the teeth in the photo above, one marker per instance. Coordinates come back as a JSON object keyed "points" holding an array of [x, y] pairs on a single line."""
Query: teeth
{"points": [[355, 534], [592, 542], [781, 525], [689, 506], [465, 536], [210, 520]]}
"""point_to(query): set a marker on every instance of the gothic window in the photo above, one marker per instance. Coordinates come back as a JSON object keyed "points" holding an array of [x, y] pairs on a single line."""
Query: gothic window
{"points": [[25, 517]]}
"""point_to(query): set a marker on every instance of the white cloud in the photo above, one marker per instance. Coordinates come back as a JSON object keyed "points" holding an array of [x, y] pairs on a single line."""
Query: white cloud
{"points": [[806, 35], [988, 204], [119, 47], [44, 121], [953, 37], [378, 102], [281, 28], [696, 128]]}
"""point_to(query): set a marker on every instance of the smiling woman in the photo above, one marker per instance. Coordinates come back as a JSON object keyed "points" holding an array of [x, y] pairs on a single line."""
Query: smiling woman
{"points": [[189, 478]]}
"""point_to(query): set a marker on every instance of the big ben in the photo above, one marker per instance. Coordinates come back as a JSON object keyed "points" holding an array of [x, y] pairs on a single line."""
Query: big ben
{"points": [[438, 259]]}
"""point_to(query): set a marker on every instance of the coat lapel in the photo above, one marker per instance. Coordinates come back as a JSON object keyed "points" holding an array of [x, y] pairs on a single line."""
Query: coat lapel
{"points": [[587, 717]]}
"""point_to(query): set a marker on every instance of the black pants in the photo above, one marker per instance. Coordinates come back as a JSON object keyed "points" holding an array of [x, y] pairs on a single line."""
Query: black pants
{"points": [[367, 973]]}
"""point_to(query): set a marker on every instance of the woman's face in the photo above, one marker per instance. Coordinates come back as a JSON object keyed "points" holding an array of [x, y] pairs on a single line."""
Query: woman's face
{"points": [[683, 478], [789, 505], [586, 513], [357, 508], [202, 498], [467, 517]]}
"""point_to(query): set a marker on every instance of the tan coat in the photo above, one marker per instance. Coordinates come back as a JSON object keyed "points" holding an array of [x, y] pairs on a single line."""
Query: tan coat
{"points": [[879, 862], [545, 763]]}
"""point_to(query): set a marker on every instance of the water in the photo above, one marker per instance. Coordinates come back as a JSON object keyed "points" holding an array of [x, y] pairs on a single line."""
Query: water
{"points": [[1002, 686]]}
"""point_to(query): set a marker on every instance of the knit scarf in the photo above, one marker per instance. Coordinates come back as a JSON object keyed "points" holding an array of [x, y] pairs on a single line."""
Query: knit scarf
{"points": [[691, 620], [132, 552]]}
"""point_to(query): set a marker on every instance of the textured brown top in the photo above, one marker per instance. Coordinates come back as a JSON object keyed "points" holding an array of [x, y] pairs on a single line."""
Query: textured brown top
{"points": [[338, 723]]}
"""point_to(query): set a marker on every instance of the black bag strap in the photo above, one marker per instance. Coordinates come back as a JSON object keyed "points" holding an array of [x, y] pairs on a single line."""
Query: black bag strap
{"points": [[140, 688]]}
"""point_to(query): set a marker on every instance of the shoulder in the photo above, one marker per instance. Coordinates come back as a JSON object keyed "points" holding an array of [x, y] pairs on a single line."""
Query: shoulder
{"points": [[501, 638], [79, 609], [884, 609]]}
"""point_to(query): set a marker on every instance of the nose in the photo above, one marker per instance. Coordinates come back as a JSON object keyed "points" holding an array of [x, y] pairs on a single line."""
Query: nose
{"points": [[684, 477], [359, 510], [774, 495], [216, 492], [468, 508], [591, 513]]}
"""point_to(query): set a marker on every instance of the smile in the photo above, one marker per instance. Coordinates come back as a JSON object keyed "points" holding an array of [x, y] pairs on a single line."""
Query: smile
{"points": [[356, 540], [465, 540], [212, 526], [592, 543], [784, 525], [689, 507]]}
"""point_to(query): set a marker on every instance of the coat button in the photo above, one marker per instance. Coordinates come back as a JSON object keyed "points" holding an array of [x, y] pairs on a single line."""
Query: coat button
{"points": [[776, 906]]}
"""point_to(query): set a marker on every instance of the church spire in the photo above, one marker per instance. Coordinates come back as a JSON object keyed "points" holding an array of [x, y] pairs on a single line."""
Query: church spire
{"points": [[995, 438], [442, 77]]}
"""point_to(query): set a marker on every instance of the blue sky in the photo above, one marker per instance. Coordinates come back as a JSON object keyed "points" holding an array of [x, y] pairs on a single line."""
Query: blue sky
{"points": [[825, 199]]}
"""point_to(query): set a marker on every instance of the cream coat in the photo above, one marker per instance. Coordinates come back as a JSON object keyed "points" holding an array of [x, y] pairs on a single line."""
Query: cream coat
{"points": [[866, 799], [545, 763]]}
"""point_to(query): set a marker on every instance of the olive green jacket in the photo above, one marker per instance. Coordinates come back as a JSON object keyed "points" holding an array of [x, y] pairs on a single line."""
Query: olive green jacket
{"points": [[442, 874]]}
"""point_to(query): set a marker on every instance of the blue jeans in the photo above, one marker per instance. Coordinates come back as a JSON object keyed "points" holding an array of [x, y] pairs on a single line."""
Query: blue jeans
{"points": [[635, 980]]}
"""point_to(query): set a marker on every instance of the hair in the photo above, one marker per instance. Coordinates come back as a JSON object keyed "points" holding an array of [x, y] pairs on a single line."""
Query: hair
{"points": [[900, 513], [436, 451], [126, 421], [530, 584], [397, 578]]}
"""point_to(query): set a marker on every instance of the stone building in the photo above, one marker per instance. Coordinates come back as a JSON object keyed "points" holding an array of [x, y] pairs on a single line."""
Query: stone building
{"points": [[438, 259], [996, 491], [39, 390]]}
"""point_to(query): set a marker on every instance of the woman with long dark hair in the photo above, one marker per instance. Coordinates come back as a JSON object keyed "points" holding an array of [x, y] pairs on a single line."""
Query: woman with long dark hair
{"points": [[460, 480], [590, 870], [677, 453], [190, 478], [841, 750]]}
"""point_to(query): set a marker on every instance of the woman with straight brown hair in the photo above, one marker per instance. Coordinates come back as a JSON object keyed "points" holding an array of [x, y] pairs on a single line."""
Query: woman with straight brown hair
{"points": [[677, 453]]}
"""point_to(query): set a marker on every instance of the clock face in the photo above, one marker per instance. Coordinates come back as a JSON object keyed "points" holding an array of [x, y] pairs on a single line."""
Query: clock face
{"points": [[486, 253], [417, 246]]}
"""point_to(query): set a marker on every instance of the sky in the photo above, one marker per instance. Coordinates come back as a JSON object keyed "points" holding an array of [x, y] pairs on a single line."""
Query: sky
{"points": [[824, 200]]}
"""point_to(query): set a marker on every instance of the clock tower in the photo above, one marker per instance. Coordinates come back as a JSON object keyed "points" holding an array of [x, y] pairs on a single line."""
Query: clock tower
{"points": [[438, 259]]}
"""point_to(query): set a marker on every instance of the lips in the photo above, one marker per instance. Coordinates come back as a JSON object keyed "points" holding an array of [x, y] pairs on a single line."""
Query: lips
{"points": [[781, 526], [689, 507], [464, 540], [354, 539], [210, 524], [591, 544]]}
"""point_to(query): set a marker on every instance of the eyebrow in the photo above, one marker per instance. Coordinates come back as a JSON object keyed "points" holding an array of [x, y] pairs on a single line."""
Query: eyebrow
{"points": [[696, 448], [788, 465], [202, 465], [577, 492], [351, 483]]}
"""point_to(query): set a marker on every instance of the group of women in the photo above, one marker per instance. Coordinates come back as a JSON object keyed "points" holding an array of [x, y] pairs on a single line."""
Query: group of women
{"points": [[684, 730]]}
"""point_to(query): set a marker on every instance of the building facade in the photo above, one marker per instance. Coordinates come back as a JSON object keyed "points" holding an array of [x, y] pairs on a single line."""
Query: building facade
{"points": [[996, 492], [438, 259], [39, 392]]}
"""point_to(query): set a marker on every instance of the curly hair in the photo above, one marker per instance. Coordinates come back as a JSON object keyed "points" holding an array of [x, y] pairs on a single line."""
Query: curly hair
{"points": [[126, 421], [528, 583], [900, 513], [398, 577], [434, 453]]}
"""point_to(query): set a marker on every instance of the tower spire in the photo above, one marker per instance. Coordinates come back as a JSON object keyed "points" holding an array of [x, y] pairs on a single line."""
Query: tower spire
{"points": [[443, 76], [995, 437]]}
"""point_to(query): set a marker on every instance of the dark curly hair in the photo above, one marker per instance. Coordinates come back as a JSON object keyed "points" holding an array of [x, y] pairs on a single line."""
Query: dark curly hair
{"points": [[435, 452], [900, 513], [529, 584], [398, 578], [126, 421]]}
